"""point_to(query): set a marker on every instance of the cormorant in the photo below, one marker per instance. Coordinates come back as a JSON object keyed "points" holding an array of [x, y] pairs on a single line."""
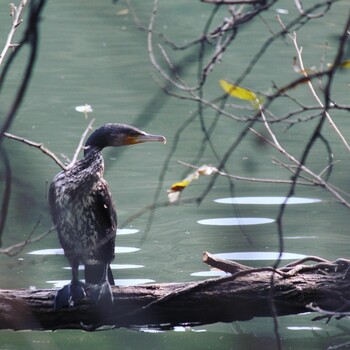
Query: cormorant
{"points": [[82, 209]]}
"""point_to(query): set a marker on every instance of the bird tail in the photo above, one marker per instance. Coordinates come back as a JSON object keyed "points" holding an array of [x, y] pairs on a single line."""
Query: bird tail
{"points": [[95, 274]]}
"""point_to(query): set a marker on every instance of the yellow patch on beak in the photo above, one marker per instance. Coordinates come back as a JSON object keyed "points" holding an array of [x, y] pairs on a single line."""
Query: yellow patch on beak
{"points": [[131, 140]]}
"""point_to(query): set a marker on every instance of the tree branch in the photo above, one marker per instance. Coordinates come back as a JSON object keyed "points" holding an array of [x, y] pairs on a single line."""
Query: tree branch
{"points": [[16, 13], [242, 296]]}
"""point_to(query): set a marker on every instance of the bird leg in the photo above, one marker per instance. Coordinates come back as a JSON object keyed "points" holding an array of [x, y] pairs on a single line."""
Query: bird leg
{"points": [[73, 292], [101, 293]]}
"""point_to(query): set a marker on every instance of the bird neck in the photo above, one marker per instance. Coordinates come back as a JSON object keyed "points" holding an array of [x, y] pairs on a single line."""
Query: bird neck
{"points": [[93, 160], [88, 170]]}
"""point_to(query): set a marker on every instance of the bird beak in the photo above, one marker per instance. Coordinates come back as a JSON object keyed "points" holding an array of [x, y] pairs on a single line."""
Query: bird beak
{"points": [[145, 138]]}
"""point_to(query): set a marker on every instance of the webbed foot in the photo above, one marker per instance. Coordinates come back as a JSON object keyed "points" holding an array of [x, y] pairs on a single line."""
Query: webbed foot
{"points": [[101, 294], [70, 295]]}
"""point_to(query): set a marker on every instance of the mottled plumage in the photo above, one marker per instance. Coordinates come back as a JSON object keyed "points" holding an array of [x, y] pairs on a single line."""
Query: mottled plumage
{"points": [[82, 209]]}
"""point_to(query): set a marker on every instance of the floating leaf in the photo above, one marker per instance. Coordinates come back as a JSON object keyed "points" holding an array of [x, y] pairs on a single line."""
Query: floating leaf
{"points": [[241, 93]]}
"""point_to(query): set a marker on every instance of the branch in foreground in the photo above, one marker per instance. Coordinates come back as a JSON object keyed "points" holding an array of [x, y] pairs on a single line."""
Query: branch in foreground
{"points": [[241, 296]]}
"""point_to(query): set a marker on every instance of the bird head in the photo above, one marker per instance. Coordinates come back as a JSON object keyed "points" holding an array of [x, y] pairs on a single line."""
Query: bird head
{"points": [[116, 135]]}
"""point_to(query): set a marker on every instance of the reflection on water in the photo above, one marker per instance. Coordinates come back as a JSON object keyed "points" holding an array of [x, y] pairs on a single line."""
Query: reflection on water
{"points": [[150, 330], [301, 237], [118, 282], [119, 250], [126, 231], [304, 328], [235, 221], [53, 251], [266, 200], [259, 256], [212, 273], [59, 251], [112, 266], [125, 266], [163, 328]]}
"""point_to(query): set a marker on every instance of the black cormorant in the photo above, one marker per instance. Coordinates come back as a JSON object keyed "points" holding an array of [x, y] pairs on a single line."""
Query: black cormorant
{"points": [[82, 209]]}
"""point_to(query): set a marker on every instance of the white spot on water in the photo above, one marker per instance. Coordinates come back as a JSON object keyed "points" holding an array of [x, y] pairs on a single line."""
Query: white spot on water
{"points": [[54, 251], [282, 11], [304, 328], [59, 251], [266, 200], [127, 231], [113, 267], [210, 274], [259, 256], [118, 282], [235, 221]]}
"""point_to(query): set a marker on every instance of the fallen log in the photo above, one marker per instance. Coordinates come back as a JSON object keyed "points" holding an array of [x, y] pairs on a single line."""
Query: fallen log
{"points": [[247, 293]]}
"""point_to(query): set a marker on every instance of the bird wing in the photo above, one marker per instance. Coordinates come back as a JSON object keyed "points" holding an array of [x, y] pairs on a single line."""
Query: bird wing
{"points": [[52, 203], [105, 209], [106, 221]]}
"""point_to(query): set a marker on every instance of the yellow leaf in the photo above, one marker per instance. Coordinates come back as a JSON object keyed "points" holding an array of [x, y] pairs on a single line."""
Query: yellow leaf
{"points": [[179, 186], [345, 64], [241, 93], [176, 188]]}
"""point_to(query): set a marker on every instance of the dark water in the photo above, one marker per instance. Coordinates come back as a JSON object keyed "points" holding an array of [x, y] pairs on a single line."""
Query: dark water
{"points": [[93, 54]]}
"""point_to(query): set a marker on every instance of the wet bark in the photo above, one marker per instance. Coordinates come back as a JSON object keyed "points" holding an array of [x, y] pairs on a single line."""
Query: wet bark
{"points": [[247, 293]]}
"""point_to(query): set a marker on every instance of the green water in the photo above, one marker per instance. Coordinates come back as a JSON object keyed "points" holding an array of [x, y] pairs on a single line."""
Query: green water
{"points": [[91, 53]]}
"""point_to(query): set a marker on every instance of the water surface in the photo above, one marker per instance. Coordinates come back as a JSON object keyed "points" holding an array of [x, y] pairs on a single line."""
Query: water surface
{"points": [[90, 53]]}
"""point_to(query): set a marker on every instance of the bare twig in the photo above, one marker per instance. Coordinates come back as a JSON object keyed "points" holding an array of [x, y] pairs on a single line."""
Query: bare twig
{"points": [[49, 153], [293, 37], [37, 145], [80, 145], [16, 13], [18, 247], [301, 10], [302, 167], [250, 179]]}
